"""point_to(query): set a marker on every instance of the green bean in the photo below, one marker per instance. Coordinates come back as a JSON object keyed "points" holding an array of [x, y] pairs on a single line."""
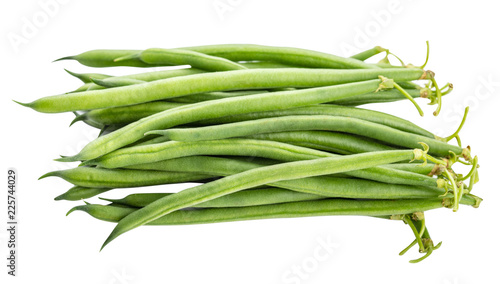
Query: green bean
{"points": [[173, 57], [80, 192], [218, 108], [326, 207], [129, 114], [229, 147], [170, 73], [330, 186], [336, 142], [87, 77], [313, 122], [125, 115], [224, 166], [113, 178], [217, 81], [233, 52], [368, 53], [285, 55], [105, 58], [331, 110], [250, 197], [257, 177]]}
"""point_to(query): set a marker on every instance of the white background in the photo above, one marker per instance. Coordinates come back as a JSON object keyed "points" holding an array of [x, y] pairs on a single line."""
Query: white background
{"points": [[60, 249]]}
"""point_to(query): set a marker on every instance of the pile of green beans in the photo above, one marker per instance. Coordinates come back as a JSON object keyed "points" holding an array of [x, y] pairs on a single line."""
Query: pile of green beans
{"points": [[262, 132]]}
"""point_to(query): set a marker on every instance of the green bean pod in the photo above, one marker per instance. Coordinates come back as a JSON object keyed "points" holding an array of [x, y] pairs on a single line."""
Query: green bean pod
{"points": [[330, 186], [285, 55], [228, 147], [250, 197], [360, 127], [125, 115], [217, 81], [335, 142], [80, 192], [173, 57], [117, 178], [219, 166], [257, 177], [330, 110], [326, 207]]}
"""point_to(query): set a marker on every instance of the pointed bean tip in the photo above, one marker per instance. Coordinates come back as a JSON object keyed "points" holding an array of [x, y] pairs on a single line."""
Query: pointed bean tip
{"points": [[59, 197], [23, 104], [49, 174], [79, 117], [65, 58], [74, 74], [76, 208], [107, 199]]}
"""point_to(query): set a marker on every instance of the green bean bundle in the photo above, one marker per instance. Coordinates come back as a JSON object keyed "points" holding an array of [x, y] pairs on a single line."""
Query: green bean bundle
{"points": [[262, 132]]}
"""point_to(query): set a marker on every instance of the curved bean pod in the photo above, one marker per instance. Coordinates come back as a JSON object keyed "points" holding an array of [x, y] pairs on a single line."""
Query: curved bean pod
{"points": [[331, 110], [113, 178], [257, 177], [160, 56], [286, 55], [313, 122], [326, 207], [329, 186], [209, 82], [233, 52], [229, 147], [223, 166], [250, 197], [80, 192], [336, 142], [125, 115]]}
